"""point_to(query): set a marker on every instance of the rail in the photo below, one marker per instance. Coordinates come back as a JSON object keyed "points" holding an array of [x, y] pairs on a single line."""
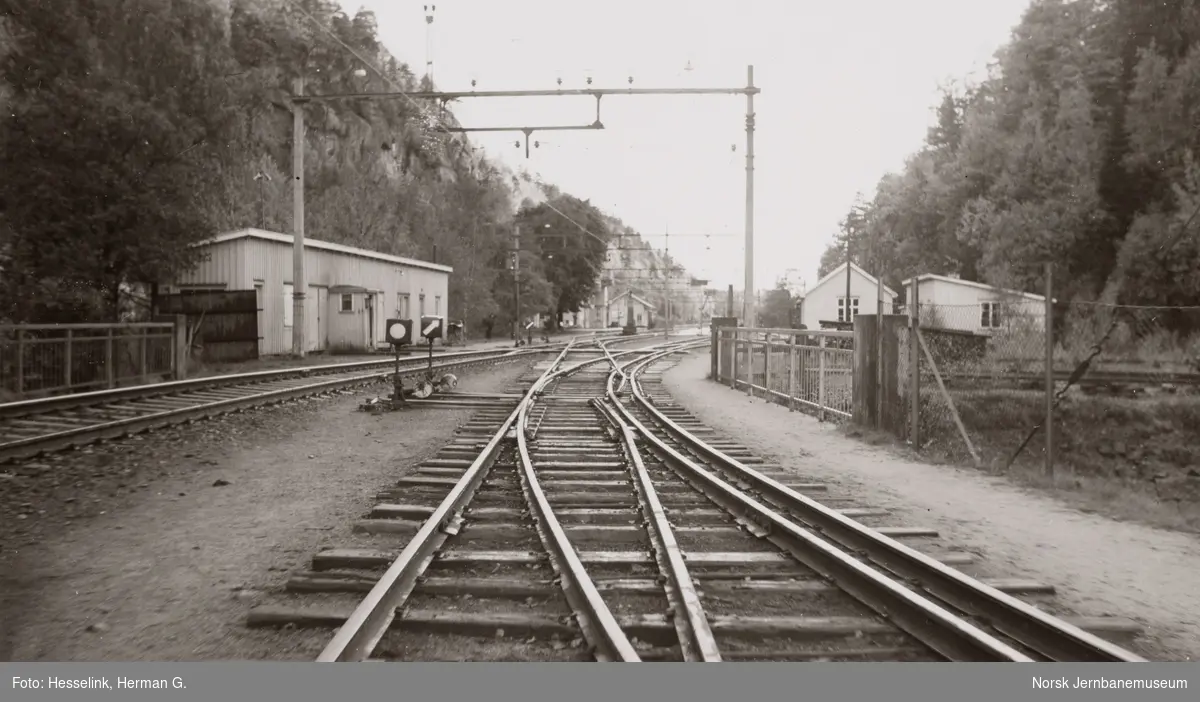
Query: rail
{"points": [[357, 638], [930, 623], [59, 403], [696, 639], [83, 399], [803, 369], [30, 434], [1049, 636], [365, 627], [597, 622]]}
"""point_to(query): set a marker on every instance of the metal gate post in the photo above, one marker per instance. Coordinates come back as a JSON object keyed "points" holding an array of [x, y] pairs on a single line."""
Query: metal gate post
{"points": [[821, 380], [792, 375]]}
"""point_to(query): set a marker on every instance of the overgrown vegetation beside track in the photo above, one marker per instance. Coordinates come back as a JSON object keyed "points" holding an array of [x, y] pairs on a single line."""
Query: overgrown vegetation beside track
{"points": [[1128, 458]]}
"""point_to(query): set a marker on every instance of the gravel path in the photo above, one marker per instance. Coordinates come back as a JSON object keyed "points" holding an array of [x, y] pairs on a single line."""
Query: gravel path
{"points": [[1100, 566], [154, 548]]}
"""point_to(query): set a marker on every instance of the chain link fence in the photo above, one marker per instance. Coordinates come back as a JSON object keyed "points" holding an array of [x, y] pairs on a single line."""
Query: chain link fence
{"points": [[1124, 382], [982, 368], [978, 381]]}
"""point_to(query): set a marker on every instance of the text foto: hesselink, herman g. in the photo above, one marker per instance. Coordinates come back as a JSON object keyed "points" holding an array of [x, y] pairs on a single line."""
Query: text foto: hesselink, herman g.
{"points": [[1065, 683], [118, 683]]}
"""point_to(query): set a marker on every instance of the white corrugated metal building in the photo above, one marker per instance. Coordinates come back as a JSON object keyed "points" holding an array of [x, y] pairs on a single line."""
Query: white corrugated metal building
{"points": [[949, 302], [351, 291]]}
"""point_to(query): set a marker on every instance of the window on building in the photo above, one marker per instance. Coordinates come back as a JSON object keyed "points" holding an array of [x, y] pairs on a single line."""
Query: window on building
{"points": [[402, 305], [989, 315], [437, 304], [842, 309], [347, 302], [289, 306], [421, 304]]}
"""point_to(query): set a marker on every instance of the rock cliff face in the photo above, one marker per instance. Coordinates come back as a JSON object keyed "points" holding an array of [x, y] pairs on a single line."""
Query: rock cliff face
{"points": [[182, 114]]}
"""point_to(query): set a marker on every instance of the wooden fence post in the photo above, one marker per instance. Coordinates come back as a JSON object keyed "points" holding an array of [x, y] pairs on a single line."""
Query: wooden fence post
{"points": [[1049, 370], [733, 359], [749, 357], [142, 354], [179, 348], [821, 379], [864, 383], [110, 374], [726, 338], [767, 368], [892, 415], [20, 363], [67, 358], [715, 354], [879, 352], [914, 362]]}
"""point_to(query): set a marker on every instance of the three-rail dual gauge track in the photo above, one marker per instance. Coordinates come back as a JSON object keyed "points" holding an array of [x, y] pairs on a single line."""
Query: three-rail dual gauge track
{"points": [[585, 516]]}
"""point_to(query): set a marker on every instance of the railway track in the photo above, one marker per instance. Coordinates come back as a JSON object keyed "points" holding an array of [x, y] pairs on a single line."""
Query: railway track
{"points": [[826, 532], [582, 519], [32, 427]]}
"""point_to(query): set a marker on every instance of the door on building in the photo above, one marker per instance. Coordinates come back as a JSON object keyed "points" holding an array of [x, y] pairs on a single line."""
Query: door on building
{"points": [[370, 302], [322, 318], [258, 295], [315, 317]]}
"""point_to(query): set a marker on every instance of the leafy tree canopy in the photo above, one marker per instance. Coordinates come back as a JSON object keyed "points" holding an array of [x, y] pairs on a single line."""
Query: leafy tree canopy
{"points": [[1078, 149], [134, 128]]}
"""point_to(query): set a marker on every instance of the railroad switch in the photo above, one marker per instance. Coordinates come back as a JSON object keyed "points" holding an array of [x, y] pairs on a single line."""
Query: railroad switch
{"points": [[399, 333], [398, 387]]}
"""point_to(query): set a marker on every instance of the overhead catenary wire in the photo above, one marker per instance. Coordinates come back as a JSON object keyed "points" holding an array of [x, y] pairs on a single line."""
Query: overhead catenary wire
{"points": [[401, 89], [577, 224]]}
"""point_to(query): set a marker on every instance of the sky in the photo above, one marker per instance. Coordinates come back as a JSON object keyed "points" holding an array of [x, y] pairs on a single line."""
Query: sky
{"points": [[848, 91]]}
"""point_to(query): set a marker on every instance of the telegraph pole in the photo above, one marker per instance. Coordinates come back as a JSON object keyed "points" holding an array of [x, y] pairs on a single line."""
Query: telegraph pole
{"points": [[516, 263], [299, 319], [846, 315], [667, 297], [429, 9], [748, 301]]}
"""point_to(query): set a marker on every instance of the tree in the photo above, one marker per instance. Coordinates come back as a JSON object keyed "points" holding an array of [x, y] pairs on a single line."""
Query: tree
{"points": [[776, 309], [1075, 150], [109, 160], [572, 238], [138, 127]]}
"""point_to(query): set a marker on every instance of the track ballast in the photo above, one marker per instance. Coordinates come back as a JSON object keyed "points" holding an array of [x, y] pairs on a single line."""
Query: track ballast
{"points": [[584, 516]]}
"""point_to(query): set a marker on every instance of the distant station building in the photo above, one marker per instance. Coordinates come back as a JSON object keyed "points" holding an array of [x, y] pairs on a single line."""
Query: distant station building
{"points": [[620, 307], [351, 291]]}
